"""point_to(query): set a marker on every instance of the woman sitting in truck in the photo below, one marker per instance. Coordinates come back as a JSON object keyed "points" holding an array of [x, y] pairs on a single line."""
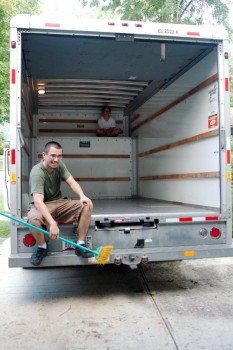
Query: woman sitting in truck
{"points": [[107, 124]]}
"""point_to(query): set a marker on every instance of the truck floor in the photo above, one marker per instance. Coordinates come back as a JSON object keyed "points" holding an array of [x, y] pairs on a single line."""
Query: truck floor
{"points": [[142, 206]]}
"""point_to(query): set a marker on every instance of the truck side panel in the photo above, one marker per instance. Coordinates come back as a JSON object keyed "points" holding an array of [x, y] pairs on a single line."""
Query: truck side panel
{"points": [[182, 157]]}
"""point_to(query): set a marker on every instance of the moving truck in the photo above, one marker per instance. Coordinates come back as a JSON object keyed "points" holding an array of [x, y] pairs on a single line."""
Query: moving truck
{"points": [[162, 189]]}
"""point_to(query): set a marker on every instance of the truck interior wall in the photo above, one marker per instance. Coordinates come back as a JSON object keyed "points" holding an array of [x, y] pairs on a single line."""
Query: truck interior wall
{"points": [[75, 123], [179, 146], [104, 169]]}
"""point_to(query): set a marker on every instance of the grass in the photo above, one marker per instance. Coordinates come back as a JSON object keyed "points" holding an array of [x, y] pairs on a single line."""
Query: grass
{"points": [[4, 229], [1, 204], [4, 225], [1, 162]]}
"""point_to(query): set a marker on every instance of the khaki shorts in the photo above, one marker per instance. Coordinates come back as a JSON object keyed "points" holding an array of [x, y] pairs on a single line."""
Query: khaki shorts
{"points": [[62, 210]]}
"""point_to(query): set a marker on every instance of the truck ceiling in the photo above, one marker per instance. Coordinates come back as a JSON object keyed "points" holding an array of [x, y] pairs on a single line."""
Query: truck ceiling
{"points": [[78, 71]]}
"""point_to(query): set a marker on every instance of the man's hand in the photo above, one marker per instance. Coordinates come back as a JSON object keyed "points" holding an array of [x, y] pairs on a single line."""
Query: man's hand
{"points": [[54, 231], [85, 201]]}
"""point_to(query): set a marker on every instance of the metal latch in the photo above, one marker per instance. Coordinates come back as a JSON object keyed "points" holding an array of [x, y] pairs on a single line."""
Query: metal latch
{"points": [[124, 37], [127, 230], [126, 225]]}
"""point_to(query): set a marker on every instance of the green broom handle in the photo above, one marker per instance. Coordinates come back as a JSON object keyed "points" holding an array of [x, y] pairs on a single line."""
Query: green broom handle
{"points": [[47, 233]]}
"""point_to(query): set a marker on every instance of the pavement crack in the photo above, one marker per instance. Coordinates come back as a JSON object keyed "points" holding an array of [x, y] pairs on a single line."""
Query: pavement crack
{"points": [[65, 312], [152, 296]]}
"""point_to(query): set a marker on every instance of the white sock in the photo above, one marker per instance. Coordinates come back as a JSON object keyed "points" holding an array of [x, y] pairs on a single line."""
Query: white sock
{"points": [[44, 246], [81, 242]]}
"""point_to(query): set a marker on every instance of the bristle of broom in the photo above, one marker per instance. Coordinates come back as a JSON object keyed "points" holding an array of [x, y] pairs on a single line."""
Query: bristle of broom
{"points": [[104, 254]]}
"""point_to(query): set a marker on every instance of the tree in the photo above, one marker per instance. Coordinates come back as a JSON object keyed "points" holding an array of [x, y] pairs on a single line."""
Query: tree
{"points": [[9, 9], [2, 139], [168, 11], [3, 142]]}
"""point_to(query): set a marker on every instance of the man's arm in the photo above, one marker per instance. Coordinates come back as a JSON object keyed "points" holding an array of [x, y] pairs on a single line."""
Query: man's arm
{"points": [[39, 205], [76, 188]]}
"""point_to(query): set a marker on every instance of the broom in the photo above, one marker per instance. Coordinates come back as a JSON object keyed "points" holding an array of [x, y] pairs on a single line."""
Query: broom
{"points": [[101, 253]]}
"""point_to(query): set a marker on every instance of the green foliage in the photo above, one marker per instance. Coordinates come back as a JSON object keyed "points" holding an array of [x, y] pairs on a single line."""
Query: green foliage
{"points": [[4, 229], [167, 11], [8, 9], [3, 143], [4, 225], [1, 203], [2, 139]]}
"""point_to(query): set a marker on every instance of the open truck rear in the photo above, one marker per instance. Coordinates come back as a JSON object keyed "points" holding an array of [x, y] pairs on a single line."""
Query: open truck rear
{"points": [[162, 190]]}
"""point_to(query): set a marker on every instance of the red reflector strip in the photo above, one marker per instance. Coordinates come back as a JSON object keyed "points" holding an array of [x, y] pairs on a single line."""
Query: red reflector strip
{"points": [[138, 25], [226, 84], [111, 23], [13, 76], [53, 25], [185, 219], [210, 218], [13, 159], [228, 157], [194, 219], [125, 24], [193, 33]]}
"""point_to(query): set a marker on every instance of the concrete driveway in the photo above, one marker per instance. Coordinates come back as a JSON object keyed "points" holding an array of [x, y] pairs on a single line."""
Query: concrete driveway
{"points": [[181, 305]]}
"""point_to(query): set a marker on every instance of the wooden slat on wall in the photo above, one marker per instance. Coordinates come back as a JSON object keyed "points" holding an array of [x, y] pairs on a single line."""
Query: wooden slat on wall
{"points": [[199, 87], [201, 175], [195, 138], [76, 121], [108, 156], [102, 179], [79, 130], [24, 178], [104, 156], [67, 131]]}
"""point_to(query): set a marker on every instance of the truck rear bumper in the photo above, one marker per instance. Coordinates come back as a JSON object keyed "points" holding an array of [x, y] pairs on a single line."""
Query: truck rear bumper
{"points": [[127, 256]]}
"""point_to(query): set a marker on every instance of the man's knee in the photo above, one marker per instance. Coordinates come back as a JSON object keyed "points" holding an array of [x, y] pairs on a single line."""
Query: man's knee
{"points": [[35, 222]]}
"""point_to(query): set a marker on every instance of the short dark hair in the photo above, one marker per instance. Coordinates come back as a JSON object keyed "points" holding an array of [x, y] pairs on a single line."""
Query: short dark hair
{"points": [[51, 144], [104, 107]]}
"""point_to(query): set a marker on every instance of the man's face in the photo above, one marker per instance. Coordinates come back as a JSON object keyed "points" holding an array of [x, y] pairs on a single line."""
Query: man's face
{"points": [[52, 158], [106, 113]]}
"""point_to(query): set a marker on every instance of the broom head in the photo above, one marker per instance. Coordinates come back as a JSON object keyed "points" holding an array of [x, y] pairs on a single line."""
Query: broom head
{"points": [[103, 254]]}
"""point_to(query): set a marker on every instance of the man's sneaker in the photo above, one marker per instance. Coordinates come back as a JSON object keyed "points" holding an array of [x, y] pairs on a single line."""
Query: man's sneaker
{"points": [[83, 253], [38, 255]]}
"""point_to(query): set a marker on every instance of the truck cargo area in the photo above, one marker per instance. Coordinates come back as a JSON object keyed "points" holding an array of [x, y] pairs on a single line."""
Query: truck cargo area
{"points": [[146, 207], [166, 177]]}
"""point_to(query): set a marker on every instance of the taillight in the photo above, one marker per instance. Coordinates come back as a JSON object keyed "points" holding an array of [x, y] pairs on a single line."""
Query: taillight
{"points": [[29, 240], [215, 232]]}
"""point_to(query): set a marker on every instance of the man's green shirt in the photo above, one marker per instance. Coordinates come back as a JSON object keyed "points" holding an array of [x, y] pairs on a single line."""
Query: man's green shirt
{"points": [[47, 184]]}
